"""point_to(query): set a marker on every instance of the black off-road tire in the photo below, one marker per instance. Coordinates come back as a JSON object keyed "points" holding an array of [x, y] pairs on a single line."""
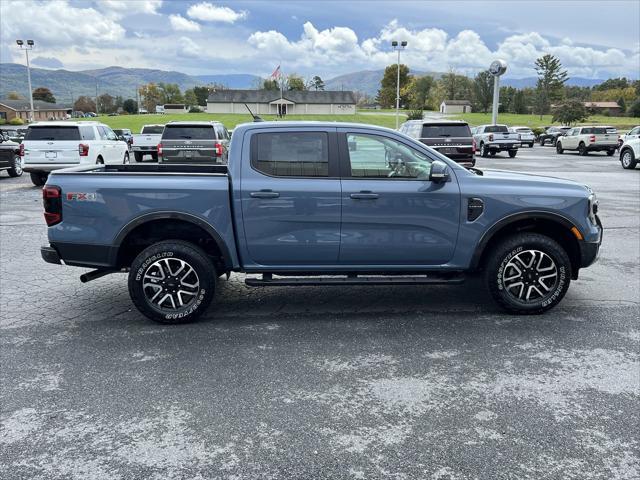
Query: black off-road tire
{"points": [[541, 141], [531, 145], [627, 159], [582, 150], [172, 250], [16, 169], [498, 262], [38, 178], [611, 152], [125, 160], [484, 151], [559, 149], [513, 153], [138, 156]]}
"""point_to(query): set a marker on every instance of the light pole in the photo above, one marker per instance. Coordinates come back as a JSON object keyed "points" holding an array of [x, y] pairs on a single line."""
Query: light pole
{"points": [[401, 46], [497, 68], [26, 48]]}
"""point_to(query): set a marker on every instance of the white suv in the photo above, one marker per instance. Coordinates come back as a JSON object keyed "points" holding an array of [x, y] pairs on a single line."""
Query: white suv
{"points": [[630, 152], [51, 146]]}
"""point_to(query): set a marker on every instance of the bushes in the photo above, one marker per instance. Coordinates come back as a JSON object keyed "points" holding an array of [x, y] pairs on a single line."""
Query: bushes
{"points": [[2, 121], [16, 121], [414, 114], [195, 110], [537, 131], [634, 109]]}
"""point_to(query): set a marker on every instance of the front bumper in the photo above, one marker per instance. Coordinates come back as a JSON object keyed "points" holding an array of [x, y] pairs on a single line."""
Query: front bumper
{"points": [[589, 251]]}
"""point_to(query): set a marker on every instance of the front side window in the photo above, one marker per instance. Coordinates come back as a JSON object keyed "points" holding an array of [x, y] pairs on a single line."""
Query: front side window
{"points": [[292, 154], [375, 156]]}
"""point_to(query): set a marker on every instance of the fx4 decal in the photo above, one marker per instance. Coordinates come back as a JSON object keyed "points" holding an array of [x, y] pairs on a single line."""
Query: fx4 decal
{"points": [[82, 197]]}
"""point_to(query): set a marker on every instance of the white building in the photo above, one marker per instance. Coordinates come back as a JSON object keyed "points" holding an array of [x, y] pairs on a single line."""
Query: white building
{"points": [[265, 102], [455, 106], [174, 108]]}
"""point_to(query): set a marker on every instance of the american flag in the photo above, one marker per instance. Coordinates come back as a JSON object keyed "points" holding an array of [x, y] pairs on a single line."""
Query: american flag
{"points": [[276, 72]]}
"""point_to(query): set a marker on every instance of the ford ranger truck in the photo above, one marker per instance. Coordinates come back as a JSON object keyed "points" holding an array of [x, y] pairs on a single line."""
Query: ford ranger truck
{"points": [[492, 139], [589, 139], [320, 203], [146, 142]]}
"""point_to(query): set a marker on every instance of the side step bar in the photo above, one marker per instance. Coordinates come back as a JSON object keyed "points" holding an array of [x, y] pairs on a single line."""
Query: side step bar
{"points": [[267, 280]]}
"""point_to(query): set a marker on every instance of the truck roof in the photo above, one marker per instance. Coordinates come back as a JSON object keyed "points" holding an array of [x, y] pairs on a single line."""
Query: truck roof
{"points": [[308, 124], [64, 123], [194, 122]]}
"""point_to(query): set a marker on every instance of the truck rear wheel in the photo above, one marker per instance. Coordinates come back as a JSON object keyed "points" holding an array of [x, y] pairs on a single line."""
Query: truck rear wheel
{"points": [[513, 153], [38, 178], [484, 151], [172, 282], [528, 273], [137, 156]]}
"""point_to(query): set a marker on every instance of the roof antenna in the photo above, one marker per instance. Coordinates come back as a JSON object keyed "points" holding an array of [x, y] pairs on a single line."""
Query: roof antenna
{"points": [[256, 118]]}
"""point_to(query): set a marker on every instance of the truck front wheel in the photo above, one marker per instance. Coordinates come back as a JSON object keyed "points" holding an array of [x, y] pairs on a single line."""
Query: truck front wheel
{"points": [[528, 273], [172, 282]]}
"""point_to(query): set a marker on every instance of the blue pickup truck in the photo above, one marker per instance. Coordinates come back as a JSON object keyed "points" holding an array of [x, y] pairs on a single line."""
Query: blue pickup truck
{"points": [[320, 203]]}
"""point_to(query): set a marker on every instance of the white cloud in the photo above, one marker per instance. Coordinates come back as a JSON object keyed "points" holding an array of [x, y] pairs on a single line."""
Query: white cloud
{"points": [[207, 12], [131, 7], [179, 23]]}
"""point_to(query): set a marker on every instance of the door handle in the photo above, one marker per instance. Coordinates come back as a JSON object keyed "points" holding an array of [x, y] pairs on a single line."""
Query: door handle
{"points": [[364, 196], [264, 194]]}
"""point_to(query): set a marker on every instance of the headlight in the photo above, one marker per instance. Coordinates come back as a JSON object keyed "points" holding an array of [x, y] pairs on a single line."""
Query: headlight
{"points": [[593, 208]]}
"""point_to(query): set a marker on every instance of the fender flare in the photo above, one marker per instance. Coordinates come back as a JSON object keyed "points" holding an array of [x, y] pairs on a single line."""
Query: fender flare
{"points": [[516, 217], [168, 215]]}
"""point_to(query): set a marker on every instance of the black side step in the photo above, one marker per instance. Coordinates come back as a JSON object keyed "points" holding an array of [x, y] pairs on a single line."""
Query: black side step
{"points": [[267, 280]]}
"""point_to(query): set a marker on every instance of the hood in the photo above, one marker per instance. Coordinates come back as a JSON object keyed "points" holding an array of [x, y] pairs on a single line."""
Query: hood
{"points": [[532, 180]]}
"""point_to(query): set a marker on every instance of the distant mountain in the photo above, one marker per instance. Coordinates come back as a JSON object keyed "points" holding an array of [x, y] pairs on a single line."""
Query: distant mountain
{"points": [[242, 81], [365, 81]]}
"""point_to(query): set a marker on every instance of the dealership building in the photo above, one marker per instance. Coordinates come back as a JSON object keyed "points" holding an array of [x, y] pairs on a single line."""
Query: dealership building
{"points": [[10, 109], [274, 102]]}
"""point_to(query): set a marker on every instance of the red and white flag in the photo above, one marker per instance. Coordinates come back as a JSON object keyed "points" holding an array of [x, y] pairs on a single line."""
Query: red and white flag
{"points": [[276, 72]]}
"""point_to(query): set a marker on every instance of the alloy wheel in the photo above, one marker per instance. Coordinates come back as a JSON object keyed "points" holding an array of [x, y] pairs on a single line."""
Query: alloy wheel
{"points": [[626, 159], [170, 284], [17, 165], [530, 275]]}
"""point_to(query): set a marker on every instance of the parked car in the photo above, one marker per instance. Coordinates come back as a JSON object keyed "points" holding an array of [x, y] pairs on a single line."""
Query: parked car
{"points": [[13, 133], [492, 139], [448, 137], [124, 134], [630, 152], [194, 142], [50, 146], [633, 133], [589, 139], [10, 159], [551, 135], [90, 115], [527, 137], [146, 142], [298, 201]]}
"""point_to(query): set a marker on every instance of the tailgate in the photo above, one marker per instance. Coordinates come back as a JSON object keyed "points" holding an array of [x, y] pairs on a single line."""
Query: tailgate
{"points": [[188, 153], [51, 152]]}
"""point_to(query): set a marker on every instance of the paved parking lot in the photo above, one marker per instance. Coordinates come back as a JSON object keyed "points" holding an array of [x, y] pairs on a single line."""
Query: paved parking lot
{"points": [[379, 382]]}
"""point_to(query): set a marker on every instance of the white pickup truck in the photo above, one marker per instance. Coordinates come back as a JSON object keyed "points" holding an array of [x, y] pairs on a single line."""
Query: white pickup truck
{"points": [[492, 139], [146, 142], [589, 139]]}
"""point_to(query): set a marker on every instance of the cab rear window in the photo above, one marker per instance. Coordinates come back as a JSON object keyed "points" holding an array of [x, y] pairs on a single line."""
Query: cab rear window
{"points": [[152, 130], [496, 129], [53, 133], [187, 132]]}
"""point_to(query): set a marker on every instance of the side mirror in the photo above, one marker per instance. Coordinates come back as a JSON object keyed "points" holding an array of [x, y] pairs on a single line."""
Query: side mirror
{"points": [[439, 172]]}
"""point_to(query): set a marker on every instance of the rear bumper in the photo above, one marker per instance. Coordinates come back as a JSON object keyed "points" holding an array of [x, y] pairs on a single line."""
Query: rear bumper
{"points": [[46, 167], [80, 255], [503, 146], [602, 147], [50, 255], [143, 149]]}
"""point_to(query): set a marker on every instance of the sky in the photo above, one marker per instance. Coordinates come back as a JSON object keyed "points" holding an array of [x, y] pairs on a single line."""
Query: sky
{"points": [[593, 39]]}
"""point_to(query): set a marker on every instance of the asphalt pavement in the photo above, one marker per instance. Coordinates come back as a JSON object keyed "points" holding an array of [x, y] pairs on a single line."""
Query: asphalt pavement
{"points": [[394, 382]]}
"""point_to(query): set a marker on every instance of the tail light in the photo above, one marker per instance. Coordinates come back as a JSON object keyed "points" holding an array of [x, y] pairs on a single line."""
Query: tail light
{"points": [[218, 147], [592, 138], [159, 149], [474, 145], [83, 150], [21, 153], [491, 137], [52, 200]]}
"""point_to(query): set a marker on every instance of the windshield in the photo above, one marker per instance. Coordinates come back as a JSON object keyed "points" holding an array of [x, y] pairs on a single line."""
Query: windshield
{"points": [[153, 129], [52, 133], [433, 131], [496, 129], [189, 132]]}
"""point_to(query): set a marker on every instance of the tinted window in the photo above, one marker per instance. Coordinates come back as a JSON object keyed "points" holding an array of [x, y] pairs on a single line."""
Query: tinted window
{"points": [[189, 132], [52, 133], [496, 129], [292, 154], [153, 129], [102, 132], [110, 134], [434, 131], [523, 130], [375, 156], [87, 133]]}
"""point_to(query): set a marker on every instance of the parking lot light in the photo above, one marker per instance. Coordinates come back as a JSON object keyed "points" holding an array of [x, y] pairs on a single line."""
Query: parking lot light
{"points": [[398, 46], [29, 46]]}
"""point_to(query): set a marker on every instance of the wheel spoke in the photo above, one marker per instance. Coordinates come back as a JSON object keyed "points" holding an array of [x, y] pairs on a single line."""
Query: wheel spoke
{"points": [[530, 275], [170, 284]]}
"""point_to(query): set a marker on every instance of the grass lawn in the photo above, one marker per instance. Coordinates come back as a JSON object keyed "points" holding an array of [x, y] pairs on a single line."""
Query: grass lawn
{"points": [[535, 121], [135, 122]]}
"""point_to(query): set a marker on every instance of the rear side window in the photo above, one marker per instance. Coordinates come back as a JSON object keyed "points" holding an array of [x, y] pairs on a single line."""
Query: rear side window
{"points": [[154, 129], [496, 129], [53, 133], [292, 154], [435, 131], [87, 133], [189, 132]]}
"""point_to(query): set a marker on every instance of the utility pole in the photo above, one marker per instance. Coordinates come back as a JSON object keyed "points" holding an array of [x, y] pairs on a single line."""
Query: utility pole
{"points": [[26, 48], [398, 47], [96, 96]]}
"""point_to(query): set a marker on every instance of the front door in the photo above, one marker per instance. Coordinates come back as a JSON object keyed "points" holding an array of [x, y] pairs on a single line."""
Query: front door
{"points": [[291, 198], [391, 213]]}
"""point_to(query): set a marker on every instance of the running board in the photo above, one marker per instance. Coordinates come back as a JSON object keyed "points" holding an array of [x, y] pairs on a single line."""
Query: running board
{"points": [[267, 280]]}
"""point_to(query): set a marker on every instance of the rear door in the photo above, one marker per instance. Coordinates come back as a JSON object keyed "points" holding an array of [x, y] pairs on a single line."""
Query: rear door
{"points": [[290, 198], [52, 144], [391, 213], [189, 144]]}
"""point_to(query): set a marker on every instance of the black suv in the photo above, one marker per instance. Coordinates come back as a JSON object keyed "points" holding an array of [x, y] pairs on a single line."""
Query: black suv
{"points": [[551, 135], [194, 142], [450, 138]]}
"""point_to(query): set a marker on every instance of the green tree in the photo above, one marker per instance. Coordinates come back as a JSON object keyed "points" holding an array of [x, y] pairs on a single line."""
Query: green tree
{"points": [[483, 90], [150, 96], [14, 96], [519, 104], [190, 97], [170, 93], [634, 109], [316, 83], [506, 98], [270, 84], [130, 106], [570, 112], [622, 104], [44, 94], [387, 93], [106, 103], [202, 93], [419, 89], [551, 80], [295, 82], [613, 83]]}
